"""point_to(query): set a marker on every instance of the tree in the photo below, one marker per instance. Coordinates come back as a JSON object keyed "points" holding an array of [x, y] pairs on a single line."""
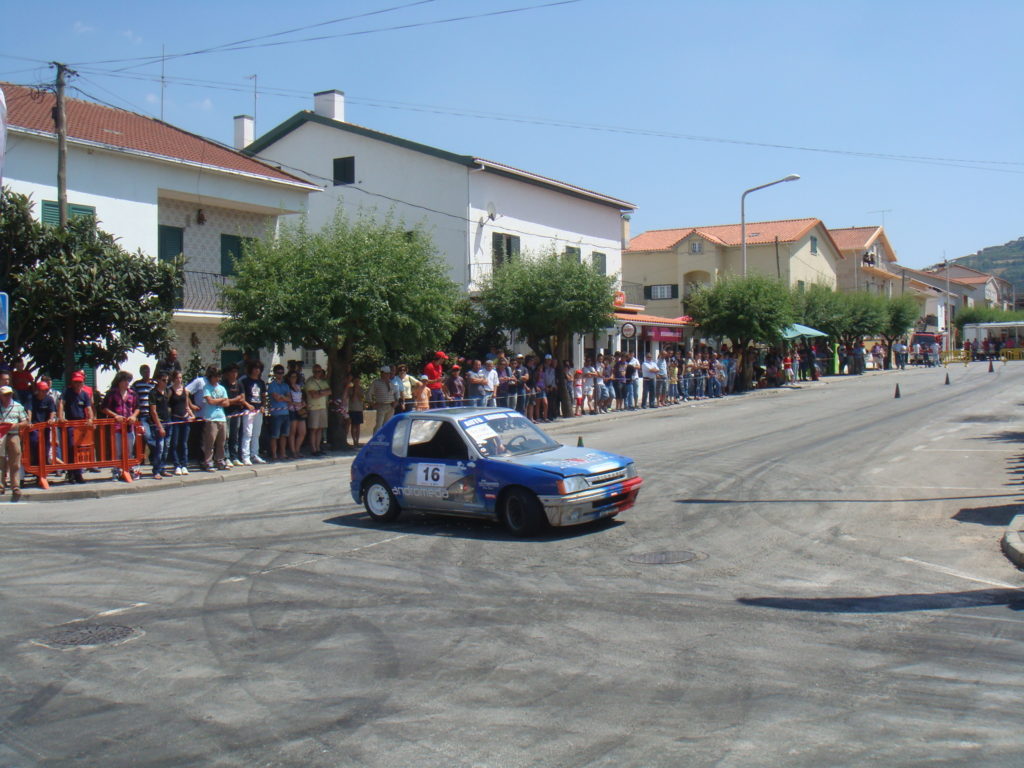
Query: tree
{"points": [[351, 285], [900, 315], [746, 310], [864, 314], [547, 299], [476, 333], [77, 297]]}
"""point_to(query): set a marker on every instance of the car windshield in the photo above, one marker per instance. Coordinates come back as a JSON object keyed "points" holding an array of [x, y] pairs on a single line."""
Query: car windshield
{"points": [[505, 434]]}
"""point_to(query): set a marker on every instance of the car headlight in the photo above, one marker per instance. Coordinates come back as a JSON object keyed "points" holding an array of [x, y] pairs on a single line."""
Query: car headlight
{"points": [[631, 470], [572, 484]]}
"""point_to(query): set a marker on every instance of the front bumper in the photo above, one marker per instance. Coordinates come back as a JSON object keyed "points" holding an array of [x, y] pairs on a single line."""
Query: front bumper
{"points": [[591, 504]]}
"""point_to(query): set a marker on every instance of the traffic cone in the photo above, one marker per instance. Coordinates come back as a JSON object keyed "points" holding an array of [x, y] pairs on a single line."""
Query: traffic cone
{"points": [[579, 441], [947, 379], [990, 368], [897, 391]]}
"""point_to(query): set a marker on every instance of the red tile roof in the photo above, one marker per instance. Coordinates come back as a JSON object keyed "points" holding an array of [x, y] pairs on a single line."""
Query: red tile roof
{"points": [[88, 121], [651, 319], [758, 233], [976, 280], [854, 238]]}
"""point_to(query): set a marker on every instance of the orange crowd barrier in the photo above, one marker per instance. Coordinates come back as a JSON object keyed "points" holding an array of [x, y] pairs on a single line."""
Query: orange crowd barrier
{"points": [[63, 446]]}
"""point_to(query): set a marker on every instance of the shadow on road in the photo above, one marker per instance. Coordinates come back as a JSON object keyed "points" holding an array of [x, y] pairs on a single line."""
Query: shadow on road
{"points": [[1008, 436], [465, 528], [1001, 515], [842, 501], [1014, 598]]}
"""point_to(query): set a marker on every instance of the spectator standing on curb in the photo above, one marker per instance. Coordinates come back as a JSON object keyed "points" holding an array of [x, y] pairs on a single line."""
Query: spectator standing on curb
{"points": [[42, 408], [650, 376], [421, 394], [476, 385], [279, 396], [235, 413], [434, 372], [318, 392], [255, 390], [454, 387], [74, 405], [297, 413], [159, 417], [182, 414], [142, 386], [170, 364], [121, 404], [21, 381], [382, 394], [215, 400], [14, 414], [403, 384], [493, 381], [355, 410]]}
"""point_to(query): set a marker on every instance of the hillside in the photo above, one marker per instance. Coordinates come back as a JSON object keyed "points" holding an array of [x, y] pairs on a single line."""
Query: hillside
{"points": [[1005, 261]]}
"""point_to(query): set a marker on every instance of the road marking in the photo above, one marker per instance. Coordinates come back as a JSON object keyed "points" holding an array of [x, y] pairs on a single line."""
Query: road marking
{"points": [[960, 574], [112, 612], [384, 541]]}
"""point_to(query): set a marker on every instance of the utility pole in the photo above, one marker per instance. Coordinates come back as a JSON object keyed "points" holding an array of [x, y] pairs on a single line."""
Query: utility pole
{"points": [[163, 82], [61, 125]]}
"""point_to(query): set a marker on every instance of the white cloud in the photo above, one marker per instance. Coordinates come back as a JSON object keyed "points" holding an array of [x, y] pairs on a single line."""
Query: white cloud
{"points": [[152, 98], [131, 37], [205, 105], [81, 28]]}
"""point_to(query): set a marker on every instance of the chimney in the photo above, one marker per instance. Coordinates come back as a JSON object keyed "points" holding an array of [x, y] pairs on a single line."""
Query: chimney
{"points": [[625, 230], [330, 104], [245, 129]]}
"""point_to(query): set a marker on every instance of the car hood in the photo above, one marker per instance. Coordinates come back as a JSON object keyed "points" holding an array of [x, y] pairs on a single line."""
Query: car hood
{"points": [[567, 461]]}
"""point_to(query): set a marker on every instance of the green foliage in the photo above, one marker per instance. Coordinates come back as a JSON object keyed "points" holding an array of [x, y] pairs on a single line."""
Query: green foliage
{"points": [[746, 310], [76, 294], [901, 312], [865, 315], [352, 287], [821, 308], [547, 298], [986, 315], [844, 316], [476, 332]]}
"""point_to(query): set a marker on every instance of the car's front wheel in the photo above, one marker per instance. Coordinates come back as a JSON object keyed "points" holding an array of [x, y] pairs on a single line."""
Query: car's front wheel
{"points": [[522, 513], [379, 501]]}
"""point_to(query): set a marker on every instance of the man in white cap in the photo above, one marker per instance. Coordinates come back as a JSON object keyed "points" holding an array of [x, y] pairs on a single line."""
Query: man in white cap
{"points": [[383, 396], [12, 413]]}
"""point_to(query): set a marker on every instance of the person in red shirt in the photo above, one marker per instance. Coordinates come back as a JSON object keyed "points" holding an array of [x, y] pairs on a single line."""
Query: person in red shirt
{"points": [[434, 371], [21, 380]]}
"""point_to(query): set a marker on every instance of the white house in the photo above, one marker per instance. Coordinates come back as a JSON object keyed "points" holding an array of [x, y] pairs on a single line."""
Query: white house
{"points": [[479, 212], [157, 188]]}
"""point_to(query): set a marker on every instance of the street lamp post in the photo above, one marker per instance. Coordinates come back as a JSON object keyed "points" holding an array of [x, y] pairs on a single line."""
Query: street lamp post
{"points": [[743, 213]]}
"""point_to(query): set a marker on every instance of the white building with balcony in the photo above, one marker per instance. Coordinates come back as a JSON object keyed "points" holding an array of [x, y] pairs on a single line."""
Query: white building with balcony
{"points": [[157, 188]]}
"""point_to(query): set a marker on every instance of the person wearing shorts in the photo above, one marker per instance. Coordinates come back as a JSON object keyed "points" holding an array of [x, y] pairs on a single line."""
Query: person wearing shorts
{"points": [[279, 397], [318, 391]]}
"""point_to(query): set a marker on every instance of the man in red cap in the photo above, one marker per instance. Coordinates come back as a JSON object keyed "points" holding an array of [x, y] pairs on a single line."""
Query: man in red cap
{"points": [[42, 408], [434, 371], [75, 405]]}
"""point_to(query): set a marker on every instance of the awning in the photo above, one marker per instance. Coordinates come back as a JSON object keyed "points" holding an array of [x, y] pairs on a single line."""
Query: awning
{"points": [[651, 327], [638, 319], [796, 331]]}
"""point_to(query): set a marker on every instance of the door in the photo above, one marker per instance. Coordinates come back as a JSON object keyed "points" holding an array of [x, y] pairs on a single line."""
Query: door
{"points": [[439, 472]]}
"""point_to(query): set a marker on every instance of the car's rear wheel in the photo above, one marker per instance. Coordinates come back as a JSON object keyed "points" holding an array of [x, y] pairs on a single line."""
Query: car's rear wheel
{"points": [[521, 512], [379, 501]]}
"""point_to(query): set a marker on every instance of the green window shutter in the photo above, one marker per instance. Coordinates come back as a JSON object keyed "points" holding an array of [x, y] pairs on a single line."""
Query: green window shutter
{"points": [[49, 212], [675, 291], [230, 251], [573, 252], [74, 210], [647, 291], [513, 247], [170, 242], [344, 170], [229, 356], [497, 248], [600, 263]]}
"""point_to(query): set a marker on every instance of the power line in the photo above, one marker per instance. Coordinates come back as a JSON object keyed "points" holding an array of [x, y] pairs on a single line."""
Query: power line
{"points": [[574, 125], [411, 25]]}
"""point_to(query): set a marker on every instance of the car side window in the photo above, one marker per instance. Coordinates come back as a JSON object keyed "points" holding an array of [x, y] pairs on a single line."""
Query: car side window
{"points": [[400, 439], [436, 440]]}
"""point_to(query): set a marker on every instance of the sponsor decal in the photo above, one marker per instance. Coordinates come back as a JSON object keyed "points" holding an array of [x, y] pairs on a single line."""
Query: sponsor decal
{"points": [[420, 492]]}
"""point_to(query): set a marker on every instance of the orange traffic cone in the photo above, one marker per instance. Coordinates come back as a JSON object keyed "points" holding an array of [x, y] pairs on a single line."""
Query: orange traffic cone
{"points": [[990, 368], [947, 379], [897, 391]]}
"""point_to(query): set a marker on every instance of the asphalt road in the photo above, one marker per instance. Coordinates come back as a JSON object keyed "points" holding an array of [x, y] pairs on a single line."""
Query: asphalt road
{"points": [[844, 603]]}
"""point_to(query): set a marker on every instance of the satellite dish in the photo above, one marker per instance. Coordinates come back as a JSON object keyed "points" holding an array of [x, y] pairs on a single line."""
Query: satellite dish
{"points": [[492, 212]]}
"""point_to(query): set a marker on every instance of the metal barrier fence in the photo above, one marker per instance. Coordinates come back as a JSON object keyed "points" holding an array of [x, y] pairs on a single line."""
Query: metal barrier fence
{"points": [[47, 448]]}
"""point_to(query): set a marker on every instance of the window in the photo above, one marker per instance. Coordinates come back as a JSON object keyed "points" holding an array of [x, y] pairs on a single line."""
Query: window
{"points": [[344, 170], [309, 357], [814, 244], [574, 252], [503, 248], [696, 246], [231, 252], [600, 262], [433, 439], [170, 242], [49, 211], [665, 291], [800, 285]]}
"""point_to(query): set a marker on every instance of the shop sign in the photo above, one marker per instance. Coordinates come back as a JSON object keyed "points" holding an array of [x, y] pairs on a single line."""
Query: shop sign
{"points": [[662, 333], [628, 330]]}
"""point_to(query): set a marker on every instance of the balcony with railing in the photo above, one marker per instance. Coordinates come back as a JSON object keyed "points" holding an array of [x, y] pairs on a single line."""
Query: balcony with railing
{"points": [[201, 292], [634, 293]]}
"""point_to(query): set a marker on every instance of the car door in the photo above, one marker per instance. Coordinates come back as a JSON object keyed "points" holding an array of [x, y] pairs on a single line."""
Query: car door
{"points": [[439, 469]]}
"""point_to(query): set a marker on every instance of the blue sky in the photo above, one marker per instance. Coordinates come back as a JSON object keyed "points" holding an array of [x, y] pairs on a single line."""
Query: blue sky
{"points": [[926, 79]]}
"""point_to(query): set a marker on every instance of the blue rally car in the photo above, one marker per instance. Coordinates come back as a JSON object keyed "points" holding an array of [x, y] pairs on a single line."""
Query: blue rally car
{"points": [[490, 463]]}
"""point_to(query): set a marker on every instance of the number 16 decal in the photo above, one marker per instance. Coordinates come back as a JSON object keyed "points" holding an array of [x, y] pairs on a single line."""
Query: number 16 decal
{"points": [[430, 474]]}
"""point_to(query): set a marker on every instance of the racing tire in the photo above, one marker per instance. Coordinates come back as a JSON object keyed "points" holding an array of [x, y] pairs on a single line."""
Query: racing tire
{"points": [[379, 501], [521, 512]]}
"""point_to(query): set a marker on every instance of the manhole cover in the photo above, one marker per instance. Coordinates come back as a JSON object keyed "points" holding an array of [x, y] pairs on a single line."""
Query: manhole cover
{"points": [[88, 634], [663, 558]]}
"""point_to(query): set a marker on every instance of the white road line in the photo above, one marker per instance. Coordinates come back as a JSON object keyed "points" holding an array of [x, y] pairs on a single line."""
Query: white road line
{"points": [[112, 612], [959, 574], [383, 541]]}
